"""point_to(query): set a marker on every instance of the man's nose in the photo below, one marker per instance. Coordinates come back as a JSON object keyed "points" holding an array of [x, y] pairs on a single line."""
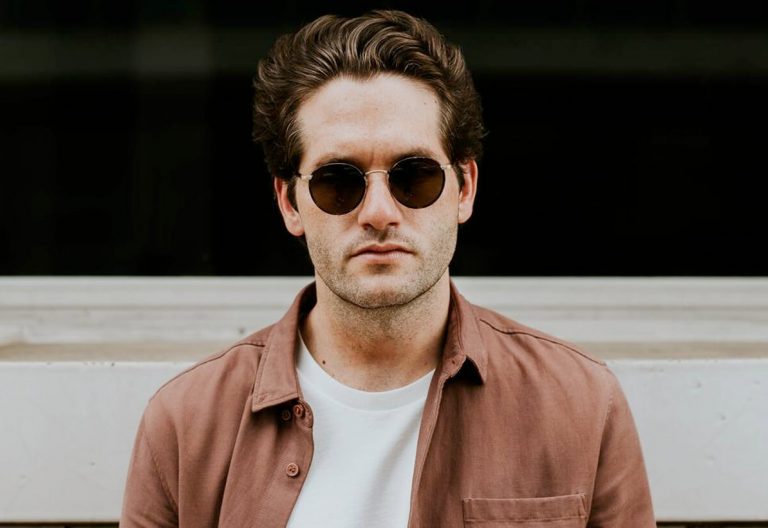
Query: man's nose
{"points": [[379, 209]]}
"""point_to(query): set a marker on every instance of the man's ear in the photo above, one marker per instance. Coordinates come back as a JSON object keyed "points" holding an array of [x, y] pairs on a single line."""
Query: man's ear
{"points": [[468, 191], [291, 216]]}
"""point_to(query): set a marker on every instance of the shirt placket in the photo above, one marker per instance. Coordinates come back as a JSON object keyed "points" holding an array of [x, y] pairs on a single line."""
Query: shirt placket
{"points": [[427, 429]]}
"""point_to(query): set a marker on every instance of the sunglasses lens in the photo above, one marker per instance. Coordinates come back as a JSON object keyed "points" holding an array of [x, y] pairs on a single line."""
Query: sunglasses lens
{"points": [[416, 182], [337, 188]]}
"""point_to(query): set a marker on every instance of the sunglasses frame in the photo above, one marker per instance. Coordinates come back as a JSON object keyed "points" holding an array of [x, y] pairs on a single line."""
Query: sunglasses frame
{"points": [[308, 178]]}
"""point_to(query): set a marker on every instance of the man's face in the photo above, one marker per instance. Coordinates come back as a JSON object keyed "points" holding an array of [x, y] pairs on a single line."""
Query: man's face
{"points": [[382, 253]]}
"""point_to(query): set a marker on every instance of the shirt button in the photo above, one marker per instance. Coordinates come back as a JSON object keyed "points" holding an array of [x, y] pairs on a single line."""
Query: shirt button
{"points": [[291, 470], [285, 415], [298, 410]]}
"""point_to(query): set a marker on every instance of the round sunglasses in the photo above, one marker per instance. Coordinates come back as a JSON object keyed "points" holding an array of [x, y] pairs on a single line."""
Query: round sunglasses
{"points": [[337, 188]]}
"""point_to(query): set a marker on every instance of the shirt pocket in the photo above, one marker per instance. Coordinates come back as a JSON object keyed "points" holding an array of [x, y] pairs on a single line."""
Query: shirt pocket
{"points": [[564, 511]]}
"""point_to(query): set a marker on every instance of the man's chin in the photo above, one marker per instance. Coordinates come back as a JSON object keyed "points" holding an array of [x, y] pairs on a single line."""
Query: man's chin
{"points": [[380, 292]]}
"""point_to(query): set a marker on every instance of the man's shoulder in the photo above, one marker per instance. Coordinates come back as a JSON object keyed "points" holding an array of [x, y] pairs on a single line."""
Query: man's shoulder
{"points": [[541, 364], [502, 325], [226, 373], [510, 340]]}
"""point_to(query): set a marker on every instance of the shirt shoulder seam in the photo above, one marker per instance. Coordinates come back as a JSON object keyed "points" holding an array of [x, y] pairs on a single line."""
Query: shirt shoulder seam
{"points": [[210, 360], [513, 331]]}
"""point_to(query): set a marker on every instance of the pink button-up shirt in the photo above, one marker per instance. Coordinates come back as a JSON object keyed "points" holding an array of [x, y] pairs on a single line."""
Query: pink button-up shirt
{"points": [[519, 429]]}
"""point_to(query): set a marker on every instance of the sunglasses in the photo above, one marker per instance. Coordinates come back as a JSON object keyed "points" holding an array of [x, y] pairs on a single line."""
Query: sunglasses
{"points": [[337, 188]]}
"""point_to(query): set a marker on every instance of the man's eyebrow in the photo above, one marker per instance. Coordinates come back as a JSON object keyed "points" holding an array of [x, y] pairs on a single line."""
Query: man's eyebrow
{"points": [[418, 152], [335, 158]]}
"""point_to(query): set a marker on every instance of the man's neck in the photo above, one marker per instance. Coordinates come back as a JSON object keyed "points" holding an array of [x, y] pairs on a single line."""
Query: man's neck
{"points": [[378, 349]]}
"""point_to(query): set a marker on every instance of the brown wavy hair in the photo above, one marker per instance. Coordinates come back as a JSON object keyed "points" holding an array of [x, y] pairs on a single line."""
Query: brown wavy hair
{"points": [[382, 41]]}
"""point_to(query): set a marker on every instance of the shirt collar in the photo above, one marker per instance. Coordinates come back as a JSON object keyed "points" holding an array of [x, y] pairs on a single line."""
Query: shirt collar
{"points": [[276, 380], [464, 346]]}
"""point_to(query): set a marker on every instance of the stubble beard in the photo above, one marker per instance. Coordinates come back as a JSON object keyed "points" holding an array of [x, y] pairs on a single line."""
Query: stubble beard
{"points": [[383, 287]]}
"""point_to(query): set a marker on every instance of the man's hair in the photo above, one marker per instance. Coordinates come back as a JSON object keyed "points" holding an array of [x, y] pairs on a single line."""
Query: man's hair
{"points": [[382, 41]]}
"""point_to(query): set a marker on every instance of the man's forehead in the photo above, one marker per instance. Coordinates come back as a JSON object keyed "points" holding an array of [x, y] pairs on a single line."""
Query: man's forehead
{"points": [[390, 113]]}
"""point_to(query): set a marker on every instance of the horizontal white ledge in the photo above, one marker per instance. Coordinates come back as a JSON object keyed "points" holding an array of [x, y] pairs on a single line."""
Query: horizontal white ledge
{"points": [[183, 309], [147, 351], [68, 428], [718, 292]]}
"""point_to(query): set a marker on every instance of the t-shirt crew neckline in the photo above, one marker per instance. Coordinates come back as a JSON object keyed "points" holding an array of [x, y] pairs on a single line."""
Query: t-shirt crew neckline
{"points": [[311, 372]]}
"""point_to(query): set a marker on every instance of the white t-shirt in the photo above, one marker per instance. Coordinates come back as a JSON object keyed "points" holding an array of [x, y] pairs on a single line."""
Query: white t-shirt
{"points": [[365, 450]]}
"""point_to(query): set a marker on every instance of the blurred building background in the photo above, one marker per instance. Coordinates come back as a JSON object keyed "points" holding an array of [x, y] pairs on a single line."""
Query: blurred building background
{"points": [[624, 138]]}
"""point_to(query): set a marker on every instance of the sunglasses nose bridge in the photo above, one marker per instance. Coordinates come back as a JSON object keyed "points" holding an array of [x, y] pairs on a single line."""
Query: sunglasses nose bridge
{"points": [[375, 171]]}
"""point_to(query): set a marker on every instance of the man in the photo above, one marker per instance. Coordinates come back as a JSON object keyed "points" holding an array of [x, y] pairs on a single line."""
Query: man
{"points": [[383, 398]]}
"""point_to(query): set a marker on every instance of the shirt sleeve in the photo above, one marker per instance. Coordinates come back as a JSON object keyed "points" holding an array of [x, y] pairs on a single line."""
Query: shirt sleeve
{"points": [[622, 496], [148, 501]]}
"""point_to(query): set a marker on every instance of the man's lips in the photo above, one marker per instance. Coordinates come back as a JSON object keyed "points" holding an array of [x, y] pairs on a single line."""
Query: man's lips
{"points": [[380, 249]]}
